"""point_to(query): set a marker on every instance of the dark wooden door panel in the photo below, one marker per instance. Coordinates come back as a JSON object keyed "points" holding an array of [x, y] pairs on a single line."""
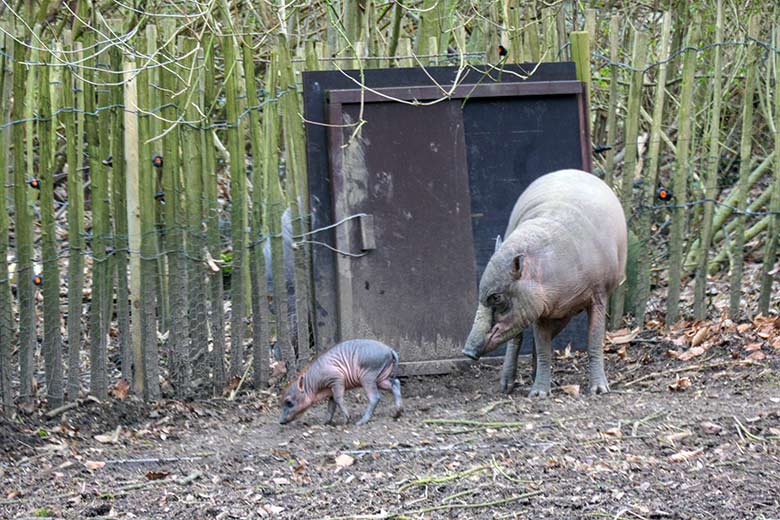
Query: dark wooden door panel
{"points": [[416, 290]]}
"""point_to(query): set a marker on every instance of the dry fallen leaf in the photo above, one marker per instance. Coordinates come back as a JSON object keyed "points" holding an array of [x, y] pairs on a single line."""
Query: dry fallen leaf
{"points": [[711, 427], [157, 475], [622, 336], [744, 327], [684, 455], [614, 432], [344, 460], [571, 389], [680, 384], [756, 356], [753, 346], [109, 438], [691, 353], [699, 336], [121, 389], [94, 464], [280, 481]]}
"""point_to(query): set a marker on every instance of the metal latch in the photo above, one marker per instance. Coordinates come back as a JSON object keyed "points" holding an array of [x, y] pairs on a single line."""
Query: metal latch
{"points": [[366, 229]]}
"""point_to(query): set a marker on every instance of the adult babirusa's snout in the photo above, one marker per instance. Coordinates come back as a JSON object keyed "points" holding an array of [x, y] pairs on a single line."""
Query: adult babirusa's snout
{"points": [[475, 344]]}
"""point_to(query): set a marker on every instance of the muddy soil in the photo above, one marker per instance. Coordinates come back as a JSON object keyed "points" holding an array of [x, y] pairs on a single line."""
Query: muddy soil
{"points": [[708, 447]]}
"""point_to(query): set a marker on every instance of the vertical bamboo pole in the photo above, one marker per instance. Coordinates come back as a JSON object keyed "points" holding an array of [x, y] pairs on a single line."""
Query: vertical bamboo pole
{"points": [[155, 148], [52, 339], [406, 50], [132, 168], [511, 12], [193, 189], [395, 31], [550, 34], [650, 174], [121, 244], [580, 54], [23, 224], [148, 384], [214, 246], [74, 159], [711, 179], [297, 195], [680, 177], [531, 34], [238, 206], [6, 319], [631, 132], [275, 208], [614, 71], [178, 339], [770, 253], [99, 192], [745, 149], [260, 312]]}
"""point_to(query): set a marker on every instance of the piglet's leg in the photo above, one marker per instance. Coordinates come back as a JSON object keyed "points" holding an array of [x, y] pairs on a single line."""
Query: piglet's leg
{"points": [[372, 392], [393, 385], [338, 397], [331, 410], [596, 325]]}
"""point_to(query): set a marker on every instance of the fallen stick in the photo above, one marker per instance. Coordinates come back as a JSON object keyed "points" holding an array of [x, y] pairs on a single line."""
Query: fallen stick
{"points": [[51, 414], [471, 506], [688, 369], [234, 392], [157, 460], [466, 422], [439, 480]]}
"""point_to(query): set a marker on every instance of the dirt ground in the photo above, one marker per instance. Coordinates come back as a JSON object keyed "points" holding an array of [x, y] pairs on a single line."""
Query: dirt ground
{"points": [[708, 447]]}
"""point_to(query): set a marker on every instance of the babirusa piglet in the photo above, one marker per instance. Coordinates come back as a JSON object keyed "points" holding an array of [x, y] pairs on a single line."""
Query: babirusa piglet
{"points": [[350, 364]]}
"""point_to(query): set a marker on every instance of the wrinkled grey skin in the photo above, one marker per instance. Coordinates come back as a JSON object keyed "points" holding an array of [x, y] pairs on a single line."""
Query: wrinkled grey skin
{"points": [[289, 276], [564, 252], [350, 364]]}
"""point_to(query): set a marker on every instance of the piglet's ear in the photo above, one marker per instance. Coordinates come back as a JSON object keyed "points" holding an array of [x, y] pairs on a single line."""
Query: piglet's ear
{"points": [[517, 267], [300, 383]]}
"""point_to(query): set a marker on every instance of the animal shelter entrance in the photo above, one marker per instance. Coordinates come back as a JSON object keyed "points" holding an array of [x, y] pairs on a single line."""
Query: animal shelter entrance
{"points": [[418, 178]]}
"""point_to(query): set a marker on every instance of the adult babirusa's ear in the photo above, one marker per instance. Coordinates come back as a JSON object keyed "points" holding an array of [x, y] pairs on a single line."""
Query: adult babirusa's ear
{"points": [[300, 383], [498, 244], [517, 266]]}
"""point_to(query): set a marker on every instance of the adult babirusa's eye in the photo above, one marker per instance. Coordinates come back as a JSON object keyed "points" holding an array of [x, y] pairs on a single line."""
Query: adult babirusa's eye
{"points": [[497, 301]]}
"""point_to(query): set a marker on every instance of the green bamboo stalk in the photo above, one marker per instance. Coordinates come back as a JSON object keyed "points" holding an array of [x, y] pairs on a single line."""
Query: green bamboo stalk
{"points": [[179, 366], [531, 34], [260, 312], [724, 210], [275, 207], [352, 28], [580, 54], [119, 211], [238, 206], [745, 152], [680, 177], [550, 34], [297, 195], [312, 62], [716, 263], [214, 246], [149, 385], [395, 33], [6, 318], [614, 71], [513, 32], [105, 123], [132, 167], [406, 50], [76, 244], [23, 223], [52, 339], [711, 179], [651, 172], [155, 148], [630, 132], [100, 222], [430, 25], [770, 252], [193, 190]]}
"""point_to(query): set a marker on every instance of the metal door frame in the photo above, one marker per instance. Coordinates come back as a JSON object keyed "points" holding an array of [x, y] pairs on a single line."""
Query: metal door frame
{"points": [[337, 98]]}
